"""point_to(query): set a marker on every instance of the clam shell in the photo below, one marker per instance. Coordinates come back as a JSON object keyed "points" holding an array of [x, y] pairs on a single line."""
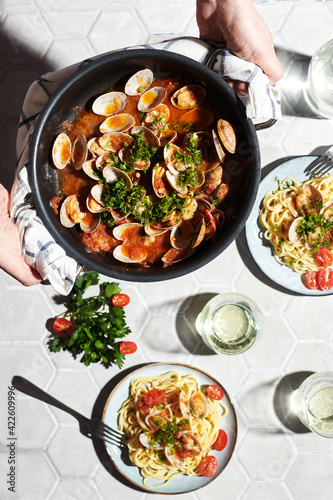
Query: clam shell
{"points": [[79, 151], [124, 253], [157, 118], [94, 206], [199, 233], [156, 421], [173, 181], [218, 146], [290, 202], [61, 151], [139, 82], [114, 141], [176, 255], [184, 405], [152, 230], [110, 103], [148, 441], [188, 97], [148, 135], [96, 192], [89, 168], [159, 180], [95, 148], [119, 231], [182, 234], [292, 234], [198, 404], [167, 136], [89, 223], [227, 135], [70, 211], [170, 454], [117, 123], [151, 98], [111, 174], [173, 163]]}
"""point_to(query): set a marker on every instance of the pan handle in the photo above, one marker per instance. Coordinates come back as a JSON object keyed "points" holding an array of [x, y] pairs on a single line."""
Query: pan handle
{"points": [[209, 62]]}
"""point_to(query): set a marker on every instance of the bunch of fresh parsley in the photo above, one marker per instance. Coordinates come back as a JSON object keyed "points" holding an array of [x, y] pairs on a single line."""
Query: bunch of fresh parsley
{"points": [[97, 323]]}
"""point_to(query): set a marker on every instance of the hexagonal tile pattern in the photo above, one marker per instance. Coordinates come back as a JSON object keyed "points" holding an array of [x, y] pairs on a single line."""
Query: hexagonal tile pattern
{"points": [[271, 459], [69, 461], [38, 438], [109, 30], [276, 453], [316, 467]]}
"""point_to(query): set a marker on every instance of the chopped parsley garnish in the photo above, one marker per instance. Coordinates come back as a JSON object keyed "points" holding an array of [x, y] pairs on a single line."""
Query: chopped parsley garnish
{"points": [[166, 436], [139, 150]]}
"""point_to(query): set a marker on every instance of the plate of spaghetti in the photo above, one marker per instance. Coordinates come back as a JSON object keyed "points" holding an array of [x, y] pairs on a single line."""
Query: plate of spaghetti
{"points": [[290, 230], [180, 428]]}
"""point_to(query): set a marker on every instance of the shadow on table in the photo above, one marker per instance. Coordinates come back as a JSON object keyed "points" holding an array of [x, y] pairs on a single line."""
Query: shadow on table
{"points": [[19, 68], [284, 401], [97, 412]]}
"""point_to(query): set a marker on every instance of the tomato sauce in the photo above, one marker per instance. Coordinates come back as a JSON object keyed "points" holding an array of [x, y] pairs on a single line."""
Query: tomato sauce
{"points": [[138, 244]]}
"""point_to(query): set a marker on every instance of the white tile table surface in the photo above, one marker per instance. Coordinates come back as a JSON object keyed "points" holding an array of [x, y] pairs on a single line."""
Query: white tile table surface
{"points": [[53, 460]]}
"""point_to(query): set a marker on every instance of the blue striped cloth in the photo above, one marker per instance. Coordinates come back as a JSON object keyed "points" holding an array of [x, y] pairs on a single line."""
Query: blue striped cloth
{"points": [[39, 249]]}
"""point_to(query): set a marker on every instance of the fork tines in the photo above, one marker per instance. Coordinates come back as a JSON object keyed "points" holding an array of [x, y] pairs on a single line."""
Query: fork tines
{"points": [[112, 436], [321, 165]]}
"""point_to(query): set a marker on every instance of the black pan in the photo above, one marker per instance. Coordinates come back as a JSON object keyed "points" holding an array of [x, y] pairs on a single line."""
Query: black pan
{"points": [[95, 78]]}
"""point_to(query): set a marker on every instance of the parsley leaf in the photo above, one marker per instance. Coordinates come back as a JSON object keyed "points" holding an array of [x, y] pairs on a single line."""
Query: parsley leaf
{"points": [[97, 323]]}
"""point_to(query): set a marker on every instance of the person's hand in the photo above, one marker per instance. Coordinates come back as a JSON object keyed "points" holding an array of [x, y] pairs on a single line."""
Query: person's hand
{"points": [[11, 259], [238, 24]]}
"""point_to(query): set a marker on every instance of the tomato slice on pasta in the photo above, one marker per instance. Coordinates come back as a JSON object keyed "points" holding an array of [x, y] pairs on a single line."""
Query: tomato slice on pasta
{"points": [[310, 280], [324, 257], [221, 441], [325, 279], [208, 466], [215, 392]]}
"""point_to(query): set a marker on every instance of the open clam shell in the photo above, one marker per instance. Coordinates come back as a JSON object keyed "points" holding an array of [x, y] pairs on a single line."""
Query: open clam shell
{"points": [[111, 174], [188, 97], [89, 223], [62, 151], [70, 211], [198, 404], [227, 135], [151, 98], [115, 141], [79, 151], [95, 148], [110, 103], [182, 234], [148, 135], [90, 169], [117, 123], [172, 156], [176, 255], [157, 118], [159, 180], [139, 82], [173, 180], [97, 192], [93, 205], [292, 233]]}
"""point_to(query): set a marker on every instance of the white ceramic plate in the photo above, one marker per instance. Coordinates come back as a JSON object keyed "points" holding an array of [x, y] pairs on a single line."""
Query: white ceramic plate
{"points": [[183, 483], [261, 253]]}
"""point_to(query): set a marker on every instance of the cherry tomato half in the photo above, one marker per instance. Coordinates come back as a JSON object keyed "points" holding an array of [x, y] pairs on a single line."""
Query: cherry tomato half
{"points": [[63, 326], [208, 466], [120, 300], [215, 392], [221, 441], [324, 257], [325, 279], [127, 347], [310, 280]]}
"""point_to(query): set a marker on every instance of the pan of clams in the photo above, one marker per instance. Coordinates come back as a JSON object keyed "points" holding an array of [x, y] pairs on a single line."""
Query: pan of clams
{"points": [[143, 165]]}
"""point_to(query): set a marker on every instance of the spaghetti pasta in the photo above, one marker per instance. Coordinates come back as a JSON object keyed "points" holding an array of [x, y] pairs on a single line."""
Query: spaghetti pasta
{"points": [[314, 221], [168, 432]]}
